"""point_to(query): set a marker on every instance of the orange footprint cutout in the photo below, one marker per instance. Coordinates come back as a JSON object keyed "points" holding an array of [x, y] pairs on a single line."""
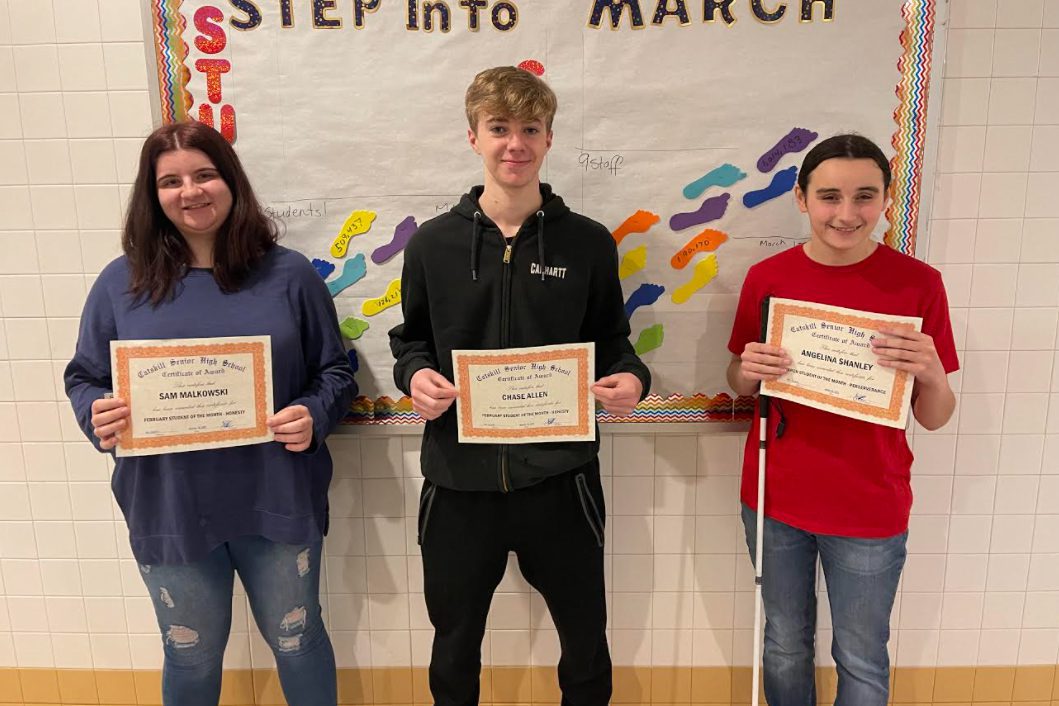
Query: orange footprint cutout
{"points": [[638, 222], [706, 241]]}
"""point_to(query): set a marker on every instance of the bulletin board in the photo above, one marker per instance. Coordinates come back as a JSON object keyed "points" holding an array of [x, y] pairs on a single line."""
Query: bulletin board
{"points": [[681, 127]]}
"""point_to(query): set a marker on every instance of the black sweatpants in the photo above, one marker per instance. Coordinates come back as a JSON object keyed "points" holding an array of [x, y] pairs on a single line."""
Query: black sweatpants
{"points": [[555, 529]]}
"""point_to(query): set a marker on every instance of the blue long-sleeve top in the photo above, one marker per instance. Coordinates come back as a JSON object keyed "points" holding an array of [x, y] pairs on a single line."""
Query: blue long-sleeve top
{"points": [[180, 506]]}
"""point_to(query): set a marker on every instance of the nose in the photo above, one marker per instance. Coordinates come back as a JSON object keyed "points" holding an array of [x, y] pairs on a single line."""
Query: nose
{"points": [[188, 188], [847, 212], [514, 142]]}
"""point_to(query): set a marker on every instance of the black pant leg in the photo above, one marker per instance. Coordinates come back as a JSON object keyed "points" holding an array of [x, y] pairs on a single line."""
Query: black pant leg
{"points": [[558, 534], [464, 557]]}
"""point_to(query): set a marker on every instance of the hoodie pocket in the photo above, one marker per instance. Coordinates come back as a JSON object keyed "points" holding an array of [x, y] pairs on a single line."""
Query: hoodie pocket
{"points": [[426, 504], [590, 508]]}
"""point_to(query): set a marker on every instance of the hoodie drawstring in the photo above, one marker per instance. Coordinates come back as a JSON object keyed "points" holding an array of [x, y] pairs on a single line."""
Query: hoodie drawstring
{"points": [[540, 241], [476, 236]]}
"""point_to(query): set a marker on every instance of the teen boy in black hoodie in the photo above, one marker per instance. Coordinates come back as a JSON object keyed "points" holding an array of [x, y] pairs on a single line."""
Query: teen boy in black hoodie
{"points": [[511, 266]]}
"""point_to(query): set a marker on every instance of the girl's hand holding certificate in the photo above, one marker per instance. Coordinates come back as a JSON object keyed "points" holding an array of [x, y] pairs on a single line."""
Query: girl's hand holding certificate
{"points": [[911, 351]]}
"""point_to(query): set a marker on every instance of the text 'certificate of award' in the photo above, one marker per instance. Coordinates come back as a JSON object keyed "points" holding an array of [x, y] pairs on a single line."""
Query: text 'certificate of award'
{"points": [[832, 364], [523, 395], [193, 393]]}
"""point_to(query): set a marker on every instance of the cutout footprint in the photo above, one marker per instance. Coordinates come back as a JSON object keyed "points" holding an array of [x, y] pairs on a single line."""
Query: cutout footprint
{"points": [[353, 328], [705, 271], [632, 262], [723, 176], [794, 141], [354, 361], [649, 339], [358, 222], [645, 295], [706, 241], [371, 307], [639, 222], [323, 267], [401, 234], [782, 182], [710, 210], [352, 272]]}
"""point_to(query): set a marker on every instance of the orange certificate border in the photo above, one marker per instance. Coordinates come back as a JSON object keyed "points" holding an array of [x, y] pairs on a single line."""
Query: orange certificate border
{"points": [[585, 419], [125, 354], [892, 412]]}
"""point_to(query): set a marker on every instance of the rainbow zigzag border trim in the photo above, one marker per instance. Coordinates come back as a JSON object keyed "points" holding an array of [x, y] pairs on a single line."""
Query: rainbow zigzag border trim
{"points": [[170, 52], [909, 140], [910, 116]]}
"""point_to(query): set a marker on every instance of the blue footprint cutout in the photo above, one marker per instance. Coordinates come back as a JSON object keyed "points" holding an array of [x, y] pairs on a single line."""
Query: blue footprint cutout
{"points": [[353, 271], [354, 362], [645, 295], [323, 267], [782, 182]]}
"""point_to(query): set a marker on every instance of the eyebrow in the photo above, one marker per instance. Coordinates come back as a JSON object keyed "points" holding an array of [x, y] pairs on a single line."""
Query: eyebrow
{"points": [[872, 189]]}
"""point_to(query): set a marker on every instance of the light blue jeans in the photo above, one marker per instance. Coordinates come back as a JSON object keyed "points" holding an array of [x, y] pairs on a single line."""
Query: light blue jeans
{"points": [[861, 576], [193, 603]]}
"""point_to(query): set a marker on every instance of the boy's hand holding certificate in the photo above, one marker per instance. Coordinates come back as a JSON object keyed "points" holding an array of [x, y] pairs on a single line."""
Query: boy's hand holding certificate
{"points": [[192, 394], [833, 366]]}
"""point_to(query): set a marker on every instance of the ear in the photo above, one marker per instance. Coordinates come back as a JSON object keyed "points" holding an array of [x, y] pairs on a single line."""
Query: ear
{"points": [[799, 197], [472, 138], [548, 143]]}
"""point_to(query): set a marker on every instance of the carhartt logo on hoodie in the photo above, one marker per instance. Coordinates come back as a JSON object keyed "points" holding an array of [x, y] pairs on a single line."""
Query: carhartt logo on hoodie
{"points": [[560, 272]]}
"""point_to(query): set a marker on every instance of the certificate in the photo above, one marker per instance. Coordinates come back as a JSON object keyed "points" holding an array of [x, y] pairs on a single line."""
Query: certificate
{"points": [[524, 395], [193, 393], [832, 364]]}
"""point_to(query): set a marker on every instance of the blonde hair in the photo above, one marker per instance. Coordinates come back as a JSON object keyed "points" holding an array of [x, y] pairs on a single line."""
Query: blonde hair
{"points": [[510, 92]]}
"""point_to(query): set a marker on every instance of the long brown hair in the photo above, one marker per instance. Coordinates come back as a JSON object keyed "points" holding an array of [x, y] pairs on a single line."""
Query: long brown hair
{"points": [[158, 255]]}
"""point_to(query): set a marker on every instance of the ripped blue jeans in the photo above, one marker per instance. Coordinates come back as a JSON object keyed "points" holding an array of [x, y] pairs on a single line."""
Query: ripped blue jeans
{"points": [[193, 603]]}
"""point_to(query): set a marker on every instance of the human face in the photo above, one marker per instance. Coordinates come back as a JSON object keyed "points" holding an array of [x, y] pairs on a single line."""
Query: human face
{"points": [[512, 150], [844, 202], [192, 193]]}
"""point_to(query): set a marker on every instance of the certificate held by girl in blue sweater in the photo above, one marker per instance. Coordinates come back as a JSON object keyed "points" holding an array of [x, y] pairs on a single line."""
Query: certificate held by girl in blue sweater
{"points": [[193, 393]]}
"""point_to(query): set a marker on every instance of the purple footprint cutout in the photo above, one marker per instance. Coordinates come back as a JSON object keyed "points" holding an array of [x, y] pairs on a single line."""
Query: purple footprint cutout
{"points": [[782, 182], [794, 141], [401, 234], [710, 210], [323, 267], [645, 295]]}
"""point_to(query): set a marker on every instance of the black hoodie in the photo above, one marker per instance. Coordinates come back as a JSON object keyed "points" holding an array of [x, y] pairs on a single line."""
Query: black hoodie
{"points": [[560, 286]]}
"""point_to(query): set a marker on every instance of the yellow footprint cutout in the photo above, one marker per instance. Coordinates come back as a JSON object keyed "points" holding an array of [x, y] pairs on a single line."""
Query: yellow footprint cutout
{"points": [[633, 261], [371, 307], [358, 222], [705, 271]]}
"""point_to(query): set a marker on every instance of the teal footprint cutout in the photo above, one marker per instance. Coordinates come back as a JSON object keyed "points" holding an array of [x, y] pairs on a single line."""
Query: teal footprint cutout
{"points": [[352, 272], [645, 295], [782, 182], [723, 176]]}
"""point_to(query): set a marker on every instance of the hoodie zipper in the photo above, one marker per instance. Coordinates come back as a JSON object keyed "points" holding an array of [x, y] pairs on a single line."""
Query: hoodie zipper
{"points": [[505, 342]]}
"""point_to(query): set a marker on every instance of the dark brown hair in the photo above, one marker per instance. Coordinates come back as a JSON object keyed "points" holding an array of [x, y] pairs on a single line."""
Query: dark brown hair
{"points": [[157, 253], [848, 146]]}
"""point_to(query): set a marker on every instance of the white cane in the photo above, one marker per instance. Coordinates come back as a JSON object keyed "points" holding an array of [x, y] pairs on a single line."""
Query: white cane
{"points": [[759, 548], [763, 406]]}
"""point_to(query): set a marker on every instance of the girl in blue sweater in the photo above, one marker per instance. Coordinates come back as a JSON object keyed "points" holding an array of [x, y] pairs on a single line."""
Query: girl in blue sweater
{"points": [[201, 261]]}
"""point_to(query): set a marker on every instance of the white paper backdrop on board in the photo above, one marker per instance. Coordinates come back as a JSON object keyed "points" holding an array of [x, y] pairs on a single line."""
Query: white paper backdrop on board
{"points": [[329, 120]]}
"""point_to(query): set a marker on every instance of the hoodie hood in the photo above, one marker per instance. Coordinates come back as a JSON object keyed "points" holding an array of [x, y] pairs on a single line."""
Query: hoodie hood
{"points": [[552, 208]]}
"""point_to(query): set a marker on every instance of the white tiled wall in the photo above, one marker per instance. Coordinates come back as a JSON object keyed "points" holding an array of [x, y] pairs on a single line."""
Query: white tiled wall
{"points": [[982, 581]]}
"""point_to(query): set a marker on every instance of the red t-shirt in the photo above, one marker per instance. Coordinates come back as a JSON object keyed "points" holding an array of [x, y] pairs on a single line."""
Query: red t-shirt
{"points": [[830, 474]]}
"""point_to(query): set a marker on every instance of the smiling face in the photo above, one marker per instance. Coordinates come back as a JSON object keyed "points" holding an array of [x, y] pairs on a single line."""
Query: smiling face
{"points": [[512, 150], [844, 200], [192, 193]]}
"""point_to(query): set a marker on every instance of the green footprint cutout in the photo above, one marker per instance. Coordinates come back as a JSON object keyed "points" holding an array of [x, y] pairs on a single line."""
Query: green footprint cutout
{"points": [[650, 338], [353, 328]]}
